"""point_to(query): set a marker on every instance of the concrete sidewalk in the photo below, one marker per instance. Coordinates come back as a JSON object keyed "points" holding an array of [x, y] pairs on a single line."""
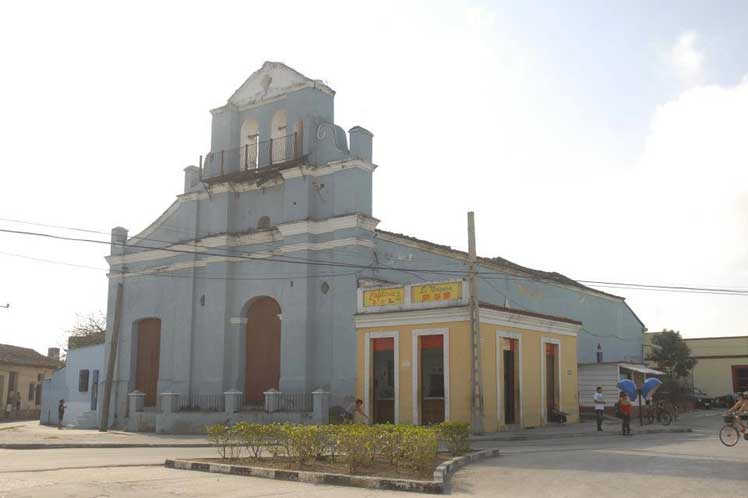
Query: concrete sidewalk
{"points": [[611, 427], [33, 435]]}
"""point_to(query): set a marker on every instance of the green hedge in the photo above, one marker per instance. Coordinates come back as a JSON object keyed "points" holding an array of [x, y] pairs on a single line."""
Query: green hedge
{"points": [[402, 446]]}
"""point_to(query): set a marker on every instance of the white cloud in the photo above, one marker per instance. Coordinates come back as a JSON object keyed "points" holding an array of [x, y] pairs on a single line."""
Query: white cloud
{"points": [[687, 59], [692, 210]]}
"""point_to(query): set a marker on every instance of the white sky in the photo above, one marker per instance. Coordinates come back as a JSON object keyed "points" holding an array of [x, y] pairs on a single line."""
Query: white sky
{"points": [[605, 142]]}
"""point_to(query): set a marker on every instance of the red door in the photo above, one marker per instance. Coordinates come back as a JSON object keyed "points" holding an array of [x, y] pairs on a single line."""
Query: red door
{"points": [[262, 367], [149, 349]]}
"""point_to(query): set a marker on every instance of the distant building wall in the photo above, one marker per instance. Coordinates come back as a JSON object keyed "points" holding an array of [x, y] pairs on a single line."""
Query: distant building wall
{"points": [[66, 384], [27, 380], [721, 363], [604, 375]]}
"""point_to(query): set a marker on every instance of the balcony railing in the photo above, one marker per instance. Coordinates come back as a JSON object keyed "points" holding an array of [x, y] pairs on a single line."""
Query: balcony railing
{"points": [[251, 156]]}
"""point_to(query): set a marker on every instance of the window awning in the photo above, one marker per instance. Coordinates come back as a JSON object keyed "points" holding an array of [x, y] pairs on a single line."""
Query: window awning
{"points": [[641, 369]]}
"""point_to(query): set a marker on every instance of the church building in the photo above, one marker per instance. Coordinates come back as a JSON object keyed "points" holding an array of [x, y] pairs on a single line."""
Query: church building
{"points": [[248, 282]]}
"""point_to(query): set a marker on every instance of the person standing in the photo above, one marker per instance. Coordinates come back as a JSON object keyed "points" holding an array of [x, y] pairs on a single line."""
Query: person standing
{"points": [[60, 413], [625, 407], [599, 407]]}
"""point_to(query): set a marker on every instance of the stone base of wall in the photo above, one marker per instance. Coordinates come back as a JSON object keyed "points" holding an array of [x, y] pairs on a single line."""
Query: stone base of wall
{"points": [[195, 422], [142, 422], [20, 415]]}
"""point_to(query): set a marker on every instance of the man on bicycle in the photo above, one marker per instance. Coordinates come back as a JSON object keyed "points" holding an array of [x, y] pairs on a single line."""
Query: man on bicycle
{"points": [[740, 409]]}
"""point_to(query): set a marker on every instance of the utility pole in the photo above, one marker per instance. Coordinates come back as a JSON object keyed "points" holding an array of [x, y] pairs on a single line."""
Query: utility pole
{"points": [[476, 380], [104, 423]]}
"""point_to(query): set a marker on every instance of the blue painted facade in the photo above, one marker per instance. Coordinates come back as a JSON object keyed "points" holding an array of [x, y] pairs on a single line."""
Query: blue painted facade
{"points": [[199, 265]]}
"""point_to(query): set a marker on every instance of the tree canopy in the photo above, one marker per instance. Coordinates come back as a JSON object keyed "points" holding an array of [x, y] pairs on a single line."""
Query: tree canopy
{"points": [[88, 330], [671, 354]]}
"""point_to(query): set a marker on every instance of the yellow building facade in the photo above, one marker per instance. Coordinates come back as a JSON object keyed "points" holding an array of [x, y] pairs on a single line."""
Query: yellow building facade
{"points": [[414, 361], [722, 363]]}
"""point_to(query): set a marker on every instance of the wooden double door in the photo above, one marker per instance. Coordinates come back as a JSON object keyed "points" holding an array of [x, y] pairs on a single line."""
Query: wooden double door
{"points": [[263, 349], [148, 356]]}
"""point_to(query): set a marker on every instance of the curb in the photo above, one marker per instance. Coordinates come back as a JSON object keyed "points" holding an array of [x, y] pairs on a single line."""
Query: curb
{"points": [[60, 446], [541, 437], [442, 473]]}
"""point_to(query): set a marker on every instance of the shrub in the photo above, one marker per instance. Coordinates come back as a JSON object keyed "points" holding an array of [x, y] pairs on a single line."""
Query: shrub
{"points": [[420, 446], [403, 446], [354, 441], [303, 442], [328, 441], [276, 439], [226, 439], [253, 437], [388, 443], [455, 436]]}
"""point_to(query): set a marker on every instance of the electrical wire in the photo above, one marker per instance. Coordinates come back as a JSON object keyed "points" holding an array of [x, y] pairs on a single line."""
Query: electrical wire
{"points": [[413, 270]]}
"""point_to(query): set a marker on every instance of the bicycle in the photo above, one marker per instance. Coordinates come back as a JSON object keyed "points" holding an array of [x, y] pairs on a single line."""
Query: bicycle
{"points": [[730, 433], [657, 411]]}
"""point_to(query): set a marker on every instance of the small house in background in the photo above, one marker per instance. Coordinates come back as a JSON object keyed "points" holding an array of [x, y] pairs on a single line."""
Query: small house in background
{"points": [[77, 383], [607, 375], [414, 361], [22, 371]]}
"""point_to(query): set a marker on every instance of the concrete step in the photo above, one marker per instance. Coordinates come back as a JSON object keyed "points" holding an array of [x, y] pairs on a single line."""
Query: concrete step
{"points": [[87, 420]]}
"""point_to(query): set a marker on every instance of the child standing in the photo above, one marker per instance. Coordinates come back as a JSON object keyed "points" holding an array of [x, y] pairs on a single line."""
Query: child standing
{"points": [[625, 408]]}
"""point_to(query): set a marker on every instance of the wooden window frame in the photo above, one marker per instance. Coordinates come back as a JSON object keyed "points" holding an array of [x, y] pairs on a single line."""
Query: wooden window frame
{"points": [[81, 376]]}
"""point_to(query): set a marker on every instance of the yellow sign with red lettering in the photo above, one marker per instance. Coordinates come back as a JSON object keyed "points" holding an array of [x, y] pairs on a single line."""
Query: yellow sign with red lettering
{"points": [[444, 291], [384, 297]]}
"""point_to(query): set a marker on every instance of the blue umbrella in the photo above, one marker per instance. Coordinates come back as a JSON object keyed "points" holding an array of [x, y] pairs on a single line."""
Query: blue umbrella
{"points": [[628, 387], [650, 386]]}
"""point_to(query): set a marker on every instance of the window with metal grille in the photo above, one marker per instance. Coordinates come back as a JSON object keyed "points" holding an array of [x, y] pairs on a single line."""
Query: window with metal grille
{"points": [[83, 381], [739, 378], [32, 391]]}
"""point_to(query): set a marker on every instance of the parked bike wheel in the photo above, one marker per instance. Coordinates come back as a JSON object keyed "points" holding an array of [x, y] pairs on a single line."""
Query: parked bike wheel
{"points": [[729, 435], [666, 418]]}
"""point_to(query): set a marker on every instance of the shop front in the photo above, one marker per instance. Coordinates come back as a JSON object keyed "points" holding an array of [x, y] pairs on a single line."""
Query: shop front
{"points": [[414, 359]]}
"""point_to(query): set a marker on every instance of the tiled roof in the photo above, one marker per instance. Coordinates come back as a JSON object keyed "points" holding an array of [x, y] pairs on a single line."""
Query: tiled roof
{"points": [[506, 264], [25, 356]]}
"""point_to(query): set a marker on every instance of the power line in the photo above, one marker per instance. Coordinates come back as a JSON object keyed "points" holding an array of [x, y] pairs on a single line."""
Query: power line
{"points": [[176, 275], [626, 285], [51, 261], [239, 256], [313, 262]]}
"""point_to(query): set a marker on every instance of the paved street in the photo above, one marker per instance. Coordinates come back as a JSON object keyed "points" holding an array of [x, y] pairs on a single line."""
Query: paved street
{"points": [[681, 465]]}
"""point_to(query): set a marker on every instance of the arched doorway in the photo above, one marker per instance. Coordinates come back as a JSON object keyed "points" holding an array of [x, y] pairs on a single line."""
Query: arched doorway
{"points": [[147, 363], [262, 366]]}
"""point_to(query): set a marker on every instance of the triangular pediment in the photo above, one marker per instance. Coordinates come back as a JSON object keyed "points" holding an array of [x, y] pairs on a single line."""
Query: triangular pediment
{"points": [[273, 79]]}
